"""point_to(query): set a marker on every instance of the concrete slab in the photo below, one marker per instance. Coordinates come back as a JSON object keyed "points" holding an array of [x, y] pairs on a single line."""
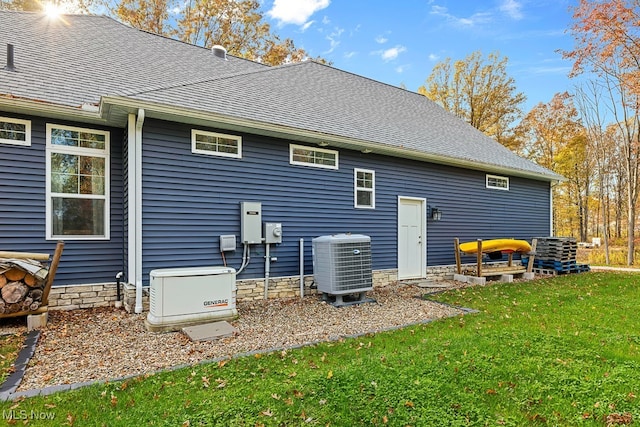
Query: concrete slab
{"points": [[528, 276], [37, 321], [508, 278], [209, 331], [460, 278], [477, 280]]}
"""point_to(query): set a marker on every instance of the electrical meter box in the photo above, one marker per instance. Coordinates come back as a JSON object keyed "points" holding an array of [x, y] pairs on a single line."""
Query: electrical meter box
{"points": [[251, 222], [272, 232]]}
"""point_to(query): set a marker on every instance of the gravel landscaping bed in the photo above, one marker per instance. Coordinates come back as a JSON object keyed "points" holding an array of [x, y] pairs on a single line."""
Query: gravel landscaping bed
{"points": [[101, 344]]}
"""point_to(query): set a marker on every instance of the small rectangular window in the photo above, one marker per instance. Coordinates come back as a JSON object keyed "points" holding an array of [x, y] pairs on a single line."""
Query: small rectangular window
{"points": [[15, 131], [216, 144], [497, 182], [311, 156], [364, 188]]}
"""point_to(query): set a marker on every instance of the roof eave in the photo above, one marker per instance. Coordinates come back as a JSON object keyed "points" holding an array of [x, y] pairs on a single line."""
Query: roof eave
{"points": [[168, 112], [87, 113]]}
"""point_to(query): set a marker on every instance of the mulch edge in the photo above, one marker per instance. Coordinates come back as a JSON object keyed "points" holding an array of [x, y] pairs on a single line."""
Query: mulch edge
{"points": [[10, 394]]}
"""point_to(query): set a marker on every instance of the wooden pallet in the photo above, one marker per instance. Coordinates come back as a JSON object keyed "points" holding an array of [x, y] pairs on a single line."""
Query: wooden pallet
{"points": [[578, 268]]}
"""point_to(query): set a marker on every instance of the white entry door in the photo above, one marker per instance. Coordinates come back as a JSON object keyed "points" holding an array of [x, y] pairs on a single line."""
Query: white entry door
{"points": [[412, 237]]}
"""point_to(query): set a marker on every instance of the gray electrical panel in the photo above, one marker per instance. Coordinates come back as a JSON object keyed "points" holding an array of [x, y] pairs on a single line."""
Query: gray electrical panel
{"points": [[251, 222], [272, 232]]}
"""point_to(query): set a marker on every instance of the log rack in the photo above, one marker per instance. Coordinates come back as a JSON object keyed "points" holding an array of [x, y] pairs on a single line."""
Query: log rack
{"points": [[481, 271], [53, 267]]}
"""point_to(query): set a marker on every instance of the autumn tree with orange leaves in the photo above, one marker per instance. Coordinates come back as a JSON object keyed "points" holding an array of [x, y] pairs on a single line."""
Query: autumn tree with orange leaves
{"points": [[607, 44], [237, 25]]}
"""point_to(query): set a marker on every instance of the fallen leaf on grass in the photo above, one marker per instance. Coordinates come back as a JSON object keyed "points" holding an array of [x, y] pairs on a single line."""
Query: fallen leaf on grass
{"points": [[329, 374], [619, 419], [409, 404], [267, 413]]}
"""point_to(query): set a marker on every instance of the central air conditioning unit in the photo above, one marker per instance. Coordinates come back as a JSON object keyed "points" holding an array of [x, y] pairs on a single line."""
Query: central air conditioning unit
{"points": [[342, 266], [182, 297]]}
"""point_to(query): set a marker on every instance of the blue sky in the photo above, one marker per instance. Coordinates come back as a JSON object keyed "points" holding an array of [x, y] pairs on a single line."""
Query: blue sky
{"points": [[399, 42]]}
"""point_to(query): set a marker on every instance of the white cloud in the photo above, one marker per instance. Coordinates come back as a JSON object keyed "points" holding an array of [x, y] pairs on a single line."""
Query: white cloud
{"points": [[349, 55], [306, 26], [325, 20], [433, 57], [392, 53], [334, 40], [381, 39], [402, 68], [475, 19], [512, 8], [295, 12]]}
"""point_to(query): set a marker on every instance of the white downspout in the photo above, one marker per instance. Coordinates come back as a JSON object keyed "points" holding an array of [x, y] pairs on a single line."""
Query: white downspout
{"points": [[138, 208], [551, 209], [132, 209]]}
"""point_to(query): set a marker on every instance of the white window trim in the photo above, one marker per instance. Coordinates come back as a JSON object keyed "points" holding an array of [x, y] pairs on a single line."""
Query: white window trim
{"points": [[356, 189], [313, 165], [107, 184], [27, 131], [504, 178], [195, 150]]}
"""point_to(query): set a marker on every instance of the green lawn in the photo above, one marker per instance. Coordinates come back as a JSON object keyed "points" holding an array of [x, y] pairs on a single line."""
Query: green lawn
{"points": [[10, 345], [563, 351]]}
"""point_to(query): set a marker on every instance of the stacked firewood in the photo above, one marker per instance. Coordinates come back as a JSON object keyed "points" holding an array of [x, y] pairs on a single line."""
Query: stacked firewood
{"points": [[20, 290]]}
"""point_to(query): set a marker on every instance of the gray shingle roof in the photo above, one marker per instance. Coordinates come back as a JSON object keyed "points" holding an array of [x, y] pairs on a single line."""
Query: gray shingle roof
{"points": [[92, 56], [82, 57]]}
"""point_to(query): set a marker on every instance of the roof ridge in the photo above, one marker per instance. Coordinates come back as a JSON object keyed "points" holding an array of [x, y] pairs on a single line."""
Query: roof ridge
{"points": [[364, 77], [212, 79]]}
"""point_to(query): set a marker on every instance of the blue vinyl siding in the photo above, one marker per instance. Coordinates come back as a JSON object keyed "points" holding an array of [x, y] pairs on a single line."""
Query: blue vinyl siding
{"points": [[189, 200], [22, 210]]}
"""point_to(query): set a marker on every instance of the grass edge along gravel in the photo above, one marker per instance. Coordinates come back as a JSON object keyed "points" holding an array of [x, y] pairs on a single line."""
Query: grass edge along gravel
{"points": [[10, 345], [561, 351]]}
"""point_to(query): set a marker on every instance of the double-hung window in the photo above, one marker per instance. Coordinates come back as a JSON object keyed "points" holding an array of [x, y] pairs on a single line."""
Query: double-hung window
{"points": [[77, 183], [364, 188], [15, 131]]}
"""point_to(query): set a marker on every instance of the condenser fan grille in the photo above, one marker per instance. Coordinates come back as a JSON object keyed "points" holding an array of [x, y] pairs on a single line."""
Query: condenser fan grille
{"points": [[342, 263]]}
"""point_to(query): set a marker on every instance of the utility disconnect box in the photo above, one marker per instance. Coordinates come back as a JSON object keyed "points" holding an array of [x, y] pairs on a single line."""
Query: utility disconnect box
{"points": [[251, 222], [272, 232]]}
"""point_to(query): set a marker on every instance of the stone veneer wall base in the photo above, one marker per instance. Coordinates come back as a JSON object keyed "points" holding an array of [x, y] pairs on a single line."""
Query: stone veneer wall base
{"points": [[73, 297]]}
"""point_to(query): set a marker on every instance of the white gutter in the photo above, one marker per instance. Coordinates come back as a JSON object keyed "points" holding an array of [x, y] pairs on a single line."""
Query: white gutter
{"points": [[136, 164], [86, 114], [156, 110]]}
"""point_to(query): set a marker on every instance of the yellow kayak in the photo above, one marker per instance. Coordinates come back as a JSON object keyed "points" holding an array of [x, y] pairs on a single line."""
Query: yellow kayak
{"points": [[495, 245]]}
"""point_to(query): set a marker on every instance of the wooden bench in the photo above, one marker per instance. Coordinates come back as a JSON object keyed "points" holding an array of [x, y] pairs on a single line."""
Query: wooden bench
{"points": [[482, 270]]}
